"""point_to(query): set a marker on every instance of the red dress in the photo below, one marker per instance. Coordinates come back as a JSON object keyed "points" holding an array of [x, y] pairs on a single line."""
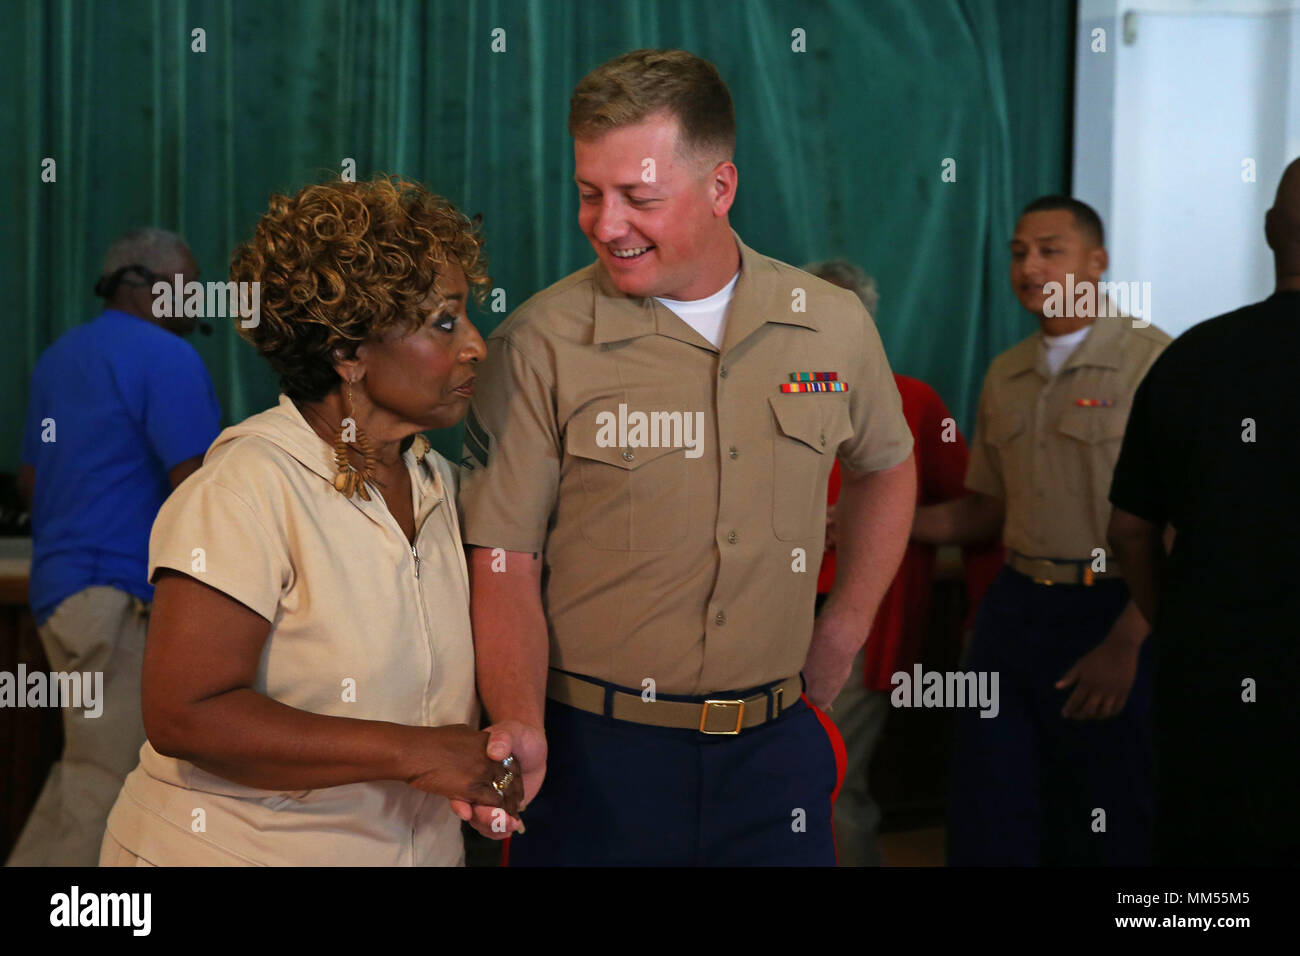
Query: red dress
{"points": [[898, 631]]}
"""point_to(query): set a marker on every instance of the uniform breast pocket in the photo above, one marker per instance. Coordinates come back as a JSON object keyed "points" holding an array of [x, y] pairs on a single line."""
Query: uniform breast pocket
{"points": [[808, 429], [1095, 436], [633, 498]]}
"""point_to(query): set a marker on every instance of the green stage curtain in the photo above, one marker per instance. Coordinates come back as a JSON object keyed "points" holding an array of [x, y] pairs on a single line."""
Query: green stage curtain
{"points": [[841, 145]]}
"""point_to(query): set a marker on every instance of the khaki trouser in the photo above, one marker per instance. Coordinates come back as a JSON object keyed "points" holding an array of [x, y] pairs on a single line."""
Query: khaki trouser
{"points": [[97, 629], [860, 714]]}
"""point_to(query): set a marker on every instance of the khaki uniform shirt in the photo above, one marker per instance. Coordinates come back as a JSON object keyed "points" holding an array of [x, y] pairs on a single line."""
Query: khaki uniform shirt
{"points": [[355, 632], [694, 565], [1047, 445]]}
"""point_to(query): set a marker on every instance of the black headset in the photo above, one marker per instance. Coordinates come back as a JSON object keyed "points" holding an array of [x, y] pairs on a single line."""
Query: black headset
{"points": [[106, 286]]}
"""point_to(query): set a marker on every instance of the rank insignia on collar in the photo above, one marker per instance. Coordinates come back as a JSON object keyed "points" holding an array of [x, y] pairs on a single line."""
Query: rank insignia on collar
{"points": [[1093, 402]]}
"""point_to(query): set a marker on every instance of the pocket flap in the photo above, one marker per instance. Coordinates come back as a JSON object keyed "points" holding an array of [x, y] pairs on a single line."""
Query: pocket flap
{"points": [[1094, 424], [584, 438], [820, 421]]}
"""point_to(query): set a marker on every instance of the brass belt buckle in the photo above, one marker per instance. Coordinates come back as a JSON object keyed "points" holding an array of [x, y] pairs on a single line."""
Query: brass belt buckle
{"points": [[704, 715], [1049, 568]]}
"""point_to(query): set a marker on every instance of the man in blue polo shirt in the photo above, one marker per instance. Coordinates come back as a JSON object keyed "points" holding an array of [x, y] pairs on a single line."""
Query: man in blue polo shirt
{"points": [[121, 411]]}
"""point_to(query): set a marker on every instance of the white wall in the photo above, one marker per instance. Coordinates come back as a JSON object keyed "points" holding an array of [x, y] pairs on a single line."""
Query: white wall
{"points": [[1184, 93]]}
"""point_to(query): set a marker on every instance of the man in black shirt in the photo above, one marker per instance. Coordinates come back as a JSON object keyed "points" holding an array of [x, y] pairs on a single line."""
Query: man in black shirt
{"points": [[1211, 450]]}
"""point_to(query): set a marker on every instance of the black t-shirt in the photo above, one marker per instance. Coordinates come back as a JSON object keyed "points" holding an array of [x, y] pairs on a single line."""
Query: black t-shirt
{"points": [[1212, 448]]}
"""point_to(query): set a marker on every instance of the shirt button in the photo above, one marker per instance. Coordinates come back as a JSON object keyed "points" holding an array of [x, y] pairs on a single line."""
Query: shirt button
{"points": [[732, 452], [823, 438], [731, 537], [628, 456], [720, 619], [723, 371]]}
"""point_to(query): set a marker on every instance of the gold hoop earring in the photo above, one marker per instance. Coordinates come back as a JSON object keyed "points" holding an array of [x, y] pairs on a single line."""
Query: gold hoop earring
{"points": [[349, 480]]}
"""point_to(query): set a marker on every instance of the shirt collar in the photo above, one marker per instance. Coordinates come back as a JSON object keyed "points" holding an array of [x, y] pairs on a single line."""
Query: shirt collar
{"points": [[1023, 356], [1102, 348], [760, 297], [301, 440], [307, 447]]}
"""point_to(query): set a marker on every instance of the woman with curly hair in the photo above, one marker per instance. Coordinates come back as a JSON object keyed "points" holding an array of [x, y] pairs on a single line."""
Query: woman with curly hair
{"points": [[309, 671]]}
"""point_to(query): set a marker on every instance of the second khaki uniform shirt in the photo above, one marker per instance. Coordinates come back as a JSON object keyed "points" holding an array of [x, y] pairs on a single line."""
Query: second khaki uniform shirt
{"points": [[1047, 444], [692, 566]]}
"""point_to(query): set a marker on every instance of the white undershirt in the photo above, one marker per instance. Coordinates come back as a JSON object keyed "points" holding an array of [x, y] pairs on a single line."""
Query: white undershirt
{"points": [[1059, 347], [706, 316]]}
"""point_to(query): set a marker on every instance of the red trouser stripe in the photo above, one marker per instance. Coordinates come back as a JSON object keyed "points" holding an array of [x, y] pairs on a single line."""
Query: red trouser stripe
{"points": [[837, 744]]}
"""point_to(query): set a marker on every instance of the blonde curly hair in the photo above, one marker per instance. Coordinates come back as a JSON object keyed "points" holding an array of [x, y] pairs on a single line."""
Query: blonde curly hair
{"points": [[341, 262]]}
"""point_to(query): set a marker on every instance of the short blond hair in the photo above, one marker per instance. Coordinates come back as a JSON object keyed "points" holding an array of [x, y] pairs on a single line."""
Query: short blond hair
{"points": [[631, 87]]}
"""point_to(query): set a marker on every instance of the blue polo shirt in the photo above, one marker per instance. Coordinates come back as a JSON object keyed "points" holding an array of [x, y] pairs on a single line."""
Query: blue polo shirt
{"points": [[115, 405]]}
